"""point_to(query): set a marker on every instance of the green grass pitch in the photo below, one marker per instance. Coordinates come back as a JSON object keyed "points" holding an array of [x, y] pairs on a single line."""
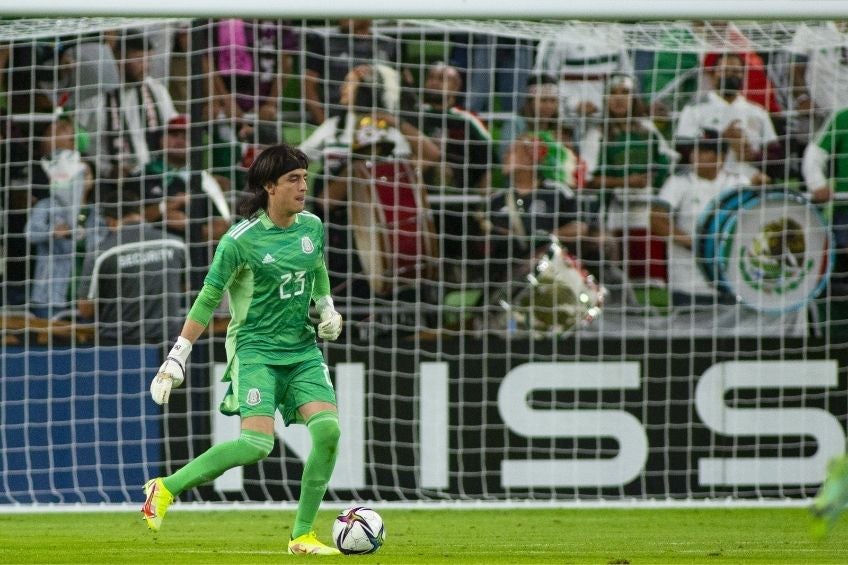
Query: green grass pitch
{"points": [[489, 536]]}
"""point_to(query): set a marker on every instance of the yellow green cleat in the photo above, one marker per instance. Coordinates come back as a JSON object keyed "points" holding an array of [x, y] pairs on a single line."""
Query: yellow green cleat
{"points": [[831, 499], [308, 544], [156, 504]]}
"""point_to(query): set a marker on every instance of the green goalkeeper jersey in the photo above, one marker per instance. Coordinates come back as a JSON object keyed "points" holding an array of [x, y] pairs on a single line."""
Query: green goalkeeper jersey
{"points": [[271, 274]]}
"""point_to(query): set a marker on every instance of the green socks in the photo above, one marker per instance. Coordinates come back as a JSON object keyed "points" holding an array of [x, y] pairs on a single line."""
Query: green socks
{"points": [[324, 430], [252, 446], [249, 448]]}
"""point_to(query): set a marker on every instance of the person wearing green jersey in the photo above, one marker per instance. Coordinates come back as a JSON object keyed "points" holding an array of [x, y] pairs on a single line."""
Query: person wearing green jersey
{"points": [[825, 171], [272, 265]]}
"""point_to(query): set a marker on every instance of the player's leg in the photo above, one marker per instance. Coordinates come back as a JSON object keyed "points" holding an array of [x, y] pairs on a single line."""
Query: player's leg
{"points": [[254, 387], [832, 497], [310, 398]]}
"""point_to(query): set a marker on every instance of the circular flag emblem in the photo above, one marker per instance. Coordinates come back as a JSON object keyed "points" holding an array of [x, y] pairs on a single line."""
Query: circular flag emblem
{"points": [[772, 249]]}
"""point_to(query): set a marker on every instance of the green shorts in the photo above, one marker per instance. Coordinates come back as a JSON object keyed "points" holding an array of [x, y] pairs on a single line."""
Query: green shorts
{"points": [[259, 389]]}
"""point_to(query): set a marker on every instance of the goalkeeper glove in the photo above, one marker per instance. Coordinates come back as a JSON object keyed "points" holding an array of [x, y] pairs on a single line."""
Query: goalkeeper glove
{"points": [[172, 371], [331, 321]]}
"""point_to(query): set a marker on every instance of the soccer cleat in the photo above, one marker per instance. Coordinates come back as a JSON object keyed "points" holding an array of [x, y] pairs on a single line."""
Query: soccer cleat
{"points": [[308, 544], [157, 503], [832, 497]]}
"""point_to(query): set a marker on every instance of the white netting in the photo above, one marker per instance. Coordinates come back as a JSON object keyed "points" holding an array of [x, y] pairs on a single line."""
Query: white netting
{"points": [[49, 28], [682, 35], [678, 341]]}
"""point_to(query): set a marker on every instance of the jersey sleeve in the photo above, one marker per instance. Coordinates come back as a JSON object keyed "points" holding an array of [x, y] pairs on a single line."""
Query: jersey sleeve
{"points": [[321, 286], [205, 304], [322, 282], [226, 264]]}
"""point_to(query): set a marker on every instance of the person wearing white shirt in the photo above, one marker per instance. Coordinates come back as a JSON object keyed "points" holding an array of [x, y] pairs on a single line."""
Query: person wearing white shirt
{"points": [[745, 126], [686, 197], [583, 60], [698, 308], [819, 52]]}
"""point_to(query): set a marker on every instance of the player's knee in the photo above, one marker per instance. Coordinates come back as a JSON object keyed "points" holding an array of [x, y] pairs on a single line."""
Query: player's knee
{"points": [[325, 434], [329, 436], [263, 452], [333, 433], [255, 447]]}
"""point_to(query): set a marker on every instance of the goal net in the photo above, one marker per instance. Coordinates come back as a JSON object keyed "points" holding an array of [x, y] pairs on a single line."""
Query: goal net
{"points": [[576, 260]]}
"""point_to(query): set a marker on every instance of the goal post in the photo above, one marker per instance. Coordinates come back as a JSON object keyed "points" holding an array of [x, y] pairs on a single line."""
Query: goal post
{"points": [[599, 10], [463, 374]]}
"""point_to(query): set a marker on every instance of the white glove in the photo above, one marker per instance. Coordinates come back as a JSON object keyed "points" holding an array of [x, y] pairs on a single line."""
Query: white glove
{"points": [[330, 326], [171, 373], [331, 321]]}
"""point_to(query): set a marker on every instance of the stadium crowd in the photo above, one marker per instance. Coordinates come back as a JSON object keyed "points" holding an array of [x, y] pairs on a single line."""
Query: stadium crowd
{"points": [[440, 178]]}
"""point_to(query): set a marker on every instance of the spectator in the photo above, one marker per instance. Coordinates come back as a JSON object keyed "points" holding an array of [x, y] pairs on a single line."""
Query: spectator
{"points": [[582, 60], [60, 223], [684, 198], [812, 73], [344, 143], [697, 306], [756, 85], [252, 62], [820, 70], [170, 174], [26, 79], [14, 249], [463, 170], [625, 150], [745, 126], [522, 217], [521, 222], [671, 75], [129, 120], [166, 181], [825, 170], [372, 91], [496, 67], [332, 55], [179, 69], [539, 116], [136, 295], [627, 158], [464, 140]]}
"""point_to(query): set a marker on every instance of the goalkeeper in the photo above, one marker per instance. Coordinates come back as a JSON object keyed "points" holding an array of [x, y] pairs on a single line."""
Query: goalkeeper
{"points": [[272, 264]]}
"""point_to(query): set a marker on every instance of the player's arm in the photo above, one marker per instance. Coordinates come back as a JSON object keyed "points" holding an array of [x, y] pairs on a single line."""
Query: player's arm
{"points": [[224, 268], [172, 372], [331, 321]]}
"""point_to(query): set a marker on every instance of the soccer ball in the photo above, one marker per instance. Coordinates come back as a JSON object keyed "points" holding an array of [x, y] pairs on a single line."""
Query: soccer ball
{"points": [[358, 530]]}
